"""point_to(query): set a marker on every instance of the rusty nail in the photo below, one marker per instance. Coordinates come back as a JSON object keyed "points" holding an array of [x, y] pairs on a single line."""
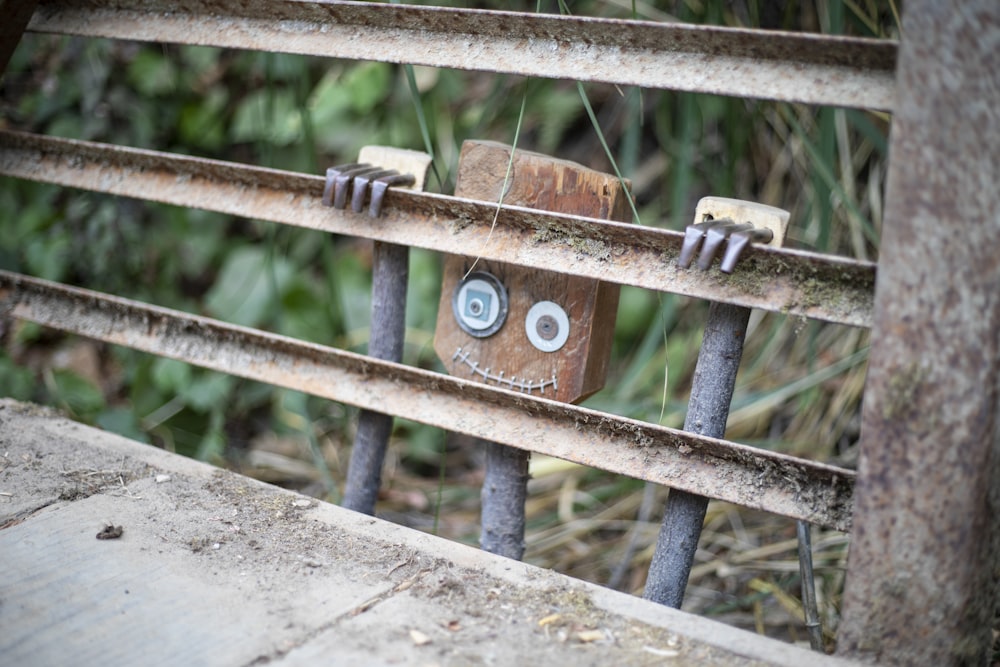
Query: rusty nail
{"points": [[331, 176], [343, 183], [693, 236], [715, 237], [381, 185], [738, 241], [361, 187]]}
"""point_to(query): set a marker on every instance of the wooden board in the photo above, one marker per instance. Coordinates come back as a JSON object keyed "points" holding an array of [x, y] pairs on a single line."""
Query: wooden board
{"points": [[509, 358]]}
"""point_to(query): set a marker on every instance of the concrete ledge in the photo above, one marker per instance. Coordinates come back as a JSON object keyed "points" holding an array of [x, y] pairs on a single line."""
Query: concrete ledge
{"points": [[213, 568]]}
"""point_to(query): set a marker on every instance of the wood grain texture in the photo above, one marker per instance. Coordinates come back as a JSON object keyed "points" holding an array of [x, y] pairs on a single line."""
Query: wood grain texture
{"points": [[538, 181]]}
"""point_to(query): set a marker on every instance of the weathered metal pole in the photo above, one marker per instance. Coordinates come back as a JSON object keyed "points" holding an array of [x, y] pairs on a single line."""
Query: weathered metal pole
{"points": [[923, 568]]}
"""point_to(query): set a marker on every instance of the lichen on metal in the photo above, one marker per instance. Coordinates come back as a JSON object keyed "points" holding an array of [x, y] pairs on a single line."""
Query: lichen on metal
{"points": [[794, 67], [823, 287], [740, 474]]}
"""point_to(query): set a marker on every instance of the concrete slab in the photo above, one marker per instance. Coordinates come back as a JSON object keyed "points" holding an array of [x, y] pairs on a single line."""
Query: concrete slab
{"points": [[212, 568]]}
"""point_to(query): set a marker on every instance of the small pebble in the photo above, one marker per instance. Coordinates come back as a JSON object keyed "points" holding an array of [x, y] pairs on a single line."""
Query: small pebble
{"points": [[301, 503], [419, 638], [160, 479]]}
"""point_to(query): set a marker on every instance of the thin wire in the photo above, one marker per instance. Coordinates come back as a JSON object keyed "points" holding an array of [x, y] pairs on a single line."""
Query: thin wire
{"points": [[506, 180]]}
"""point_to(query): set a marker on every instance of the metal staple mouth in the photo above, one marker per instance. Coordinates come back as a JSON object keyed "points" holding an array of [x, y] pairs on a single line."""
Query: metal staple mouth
{"points": [[738, 243], [343, 182]]}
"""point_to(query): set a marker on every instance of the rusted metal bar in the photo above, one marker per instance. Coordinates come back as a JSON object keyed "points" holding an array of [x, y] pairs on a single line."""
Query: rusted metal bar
{"points": [[728, 471], [922, 572], [823, 287], [794, 67], [16, 14], [708, 409]]}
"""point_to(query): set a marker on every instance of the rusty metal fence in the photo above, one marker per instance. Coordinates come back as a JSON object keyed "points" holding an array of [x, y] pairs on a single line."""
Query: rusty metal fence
{"points": [[805, 68]]}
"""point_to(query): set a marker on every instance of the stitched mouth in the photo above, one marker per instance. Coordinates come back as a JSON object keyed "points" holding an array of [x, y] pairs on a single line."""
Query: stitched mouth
{"points": [[499, 378]]}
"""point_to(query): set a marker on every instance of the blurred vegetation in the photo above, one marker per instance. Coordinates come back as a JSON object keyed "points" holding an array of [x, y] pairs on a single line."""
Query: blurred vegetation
{"points": [[800, 387]]}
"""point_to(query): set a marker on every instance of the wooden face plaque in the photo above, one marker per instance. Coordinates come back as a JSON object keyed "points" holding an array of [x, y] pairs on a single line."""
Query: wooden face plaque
{"points": [[537, 332]]}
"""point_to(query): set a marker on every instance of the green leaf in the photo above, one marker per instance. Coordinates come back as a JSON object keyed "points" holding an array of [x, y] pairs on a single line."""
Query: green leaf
{"points": [[123, 422], [152, 74], [81, 397], [559, 109], [267, 115], [208, 392], [244, 292], [367, 84], [200, 122], [170, 376], [213, 444], [329, 99], [17, 382], [47, 256]]}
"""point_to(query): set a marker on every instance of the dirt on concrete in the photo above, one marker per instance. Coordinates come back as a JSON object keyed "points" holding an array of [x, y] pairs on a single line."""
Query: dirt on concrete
{"points": [[287, 579]]}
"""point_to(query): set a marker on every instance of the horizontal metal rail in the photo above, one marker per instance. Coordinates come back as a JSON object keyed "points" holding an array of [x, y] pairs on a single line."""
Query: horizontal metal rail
{"points": [[815, 492], [805, 284], [794, 67]]}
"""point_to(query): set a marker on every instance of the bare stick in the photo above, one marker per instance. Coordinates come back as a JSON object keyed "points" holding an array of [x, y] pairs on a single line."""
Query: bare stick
{"points": [[505, 488], [390, 271], [708, 410], [811, 613]]}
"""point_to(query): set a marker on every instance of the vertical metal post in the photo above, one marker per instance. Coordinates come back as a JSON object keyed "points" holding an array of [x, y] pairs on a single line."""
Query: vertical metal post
{"points": [[708, 410], [922, 572], [810, 612]]}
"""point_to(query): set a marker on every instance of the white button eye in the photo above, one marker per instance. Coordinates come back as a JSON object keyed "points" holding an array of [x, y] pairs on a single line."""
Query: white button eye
{"points": [[547, 326], [480, 305]]}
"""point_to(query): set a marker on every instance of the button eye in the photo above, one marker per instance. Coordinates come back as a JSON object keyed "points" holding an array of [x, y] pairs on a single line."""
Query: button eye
{"points": [[547, 326], [480, 304]]}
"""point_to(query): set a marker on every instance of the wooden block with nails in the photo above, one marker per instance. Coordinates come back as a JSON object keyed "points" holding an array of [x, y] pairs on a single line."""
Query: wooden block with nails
{"points": [[534, 331]]}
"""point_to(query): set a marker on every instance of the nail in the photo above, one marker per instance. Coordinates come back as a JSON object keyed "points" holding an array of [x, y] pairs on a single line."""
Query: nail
{"points": [[739, 241], [381, 185], [693, 236], [331, 176], [715, 237], [361, 187], [343, 183]]}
